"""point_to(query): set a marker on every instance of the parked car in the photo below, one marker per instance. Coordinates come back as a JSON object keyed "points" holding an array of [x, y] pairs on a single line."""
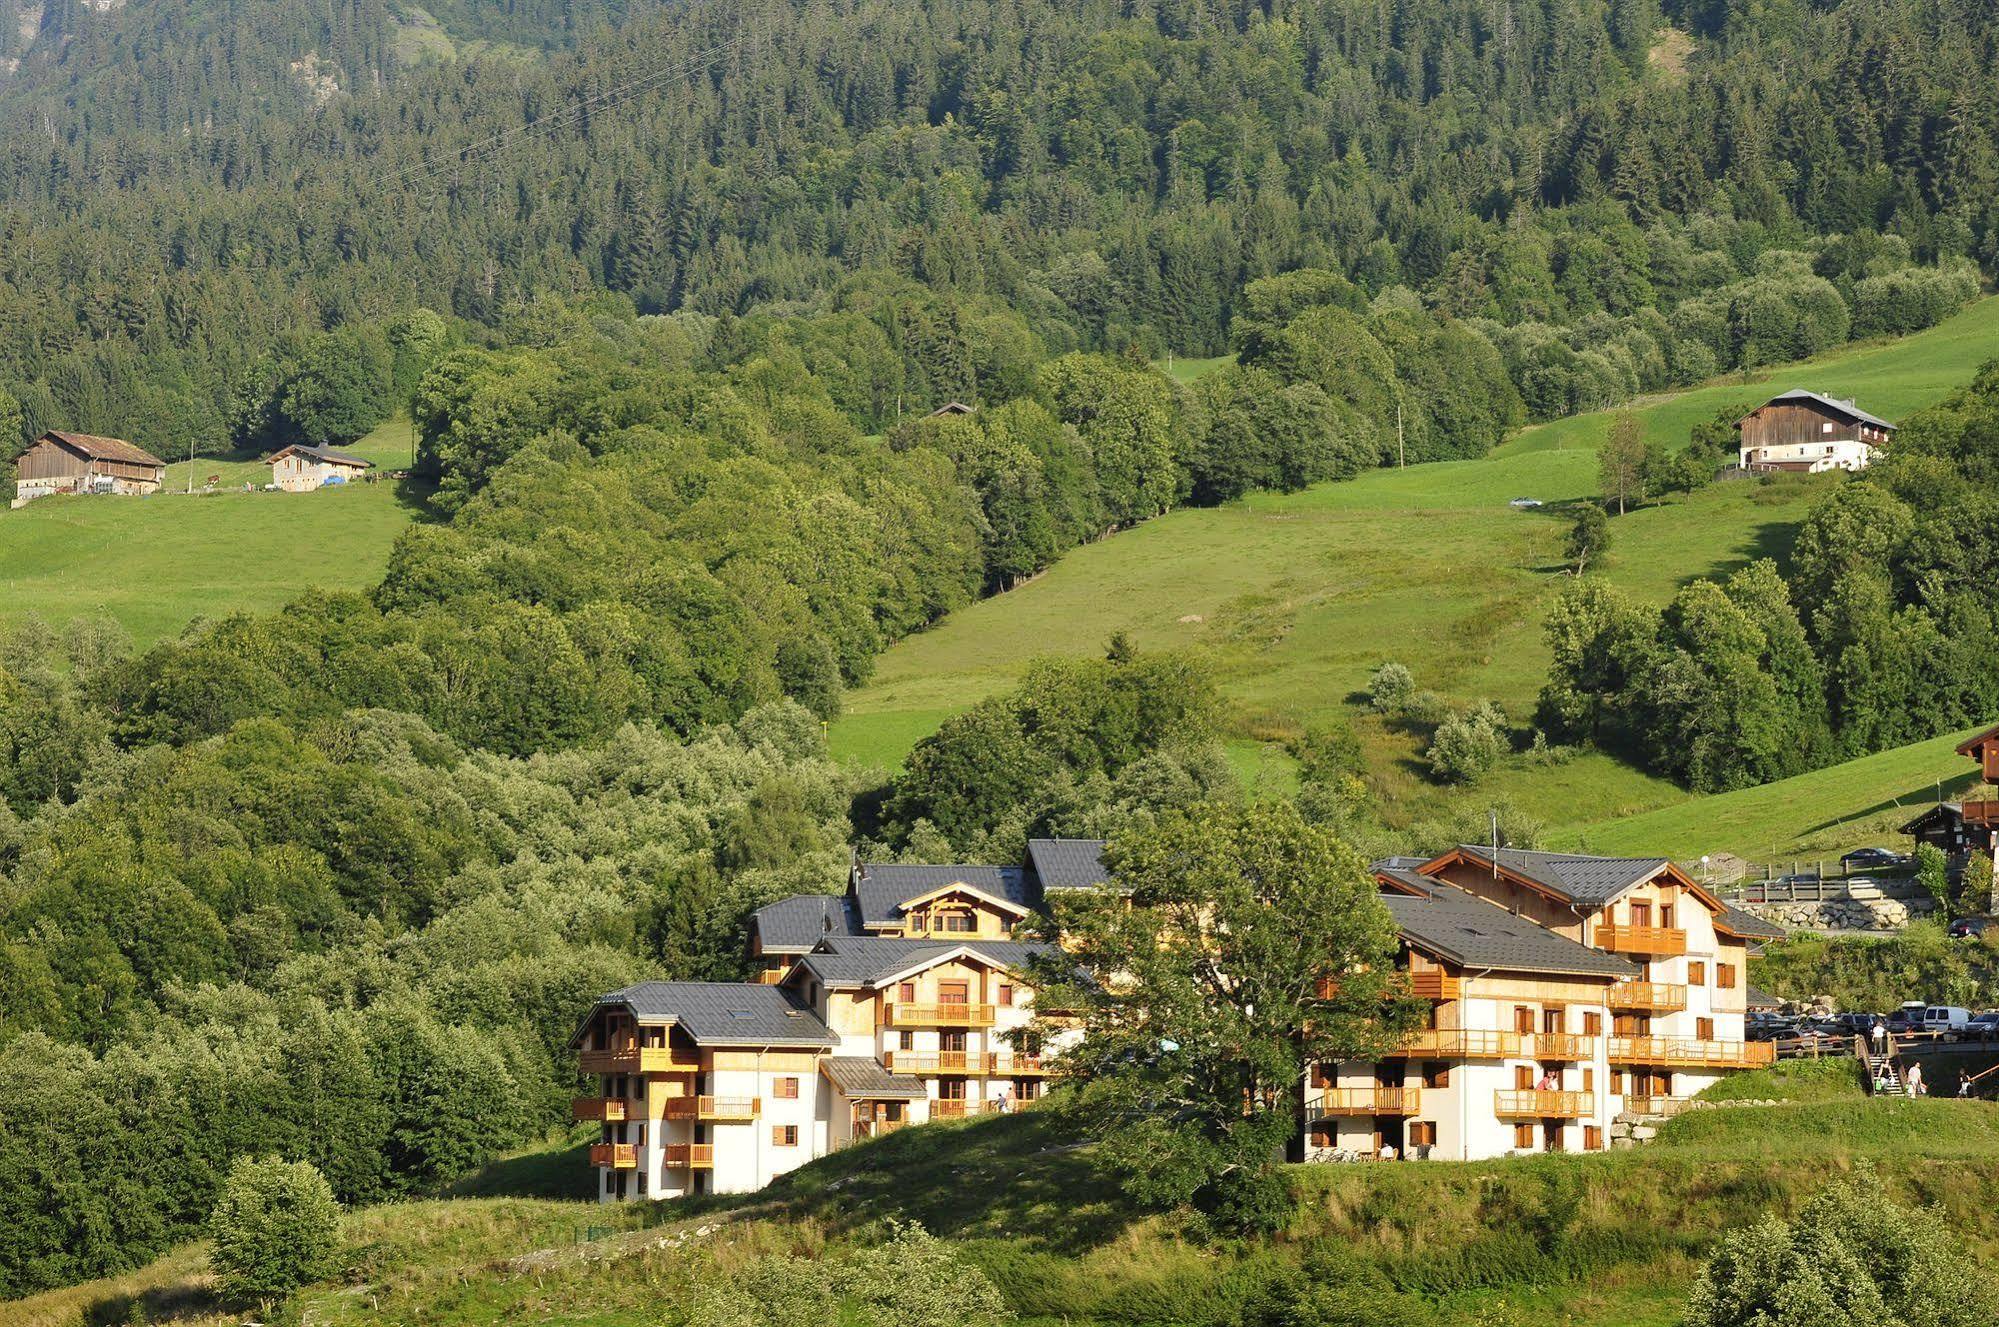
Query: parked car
{"points": [[1969, 928], [1769, 1027], [1855, 1025], [1985, 1026], [1909, 1018], [1871, 859]]}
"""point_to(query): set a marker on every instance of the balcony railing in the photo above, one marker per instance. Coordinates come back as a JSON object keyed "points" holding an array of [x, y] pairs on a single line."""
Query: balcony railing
{"points": [[934, 1062], [640, 1060], [958, 1108], [1640, 939], [876, 1128], [609, 1109], [1692, 1052], [618, 1156], [1018, 1064], [1464, 1043], [1560, 1046], [713, 1108], [1435, 986], [940, 1015], [1656, 997], [1536, 1103], [1651, 1105], [1365, 1100], [695, 1156]]}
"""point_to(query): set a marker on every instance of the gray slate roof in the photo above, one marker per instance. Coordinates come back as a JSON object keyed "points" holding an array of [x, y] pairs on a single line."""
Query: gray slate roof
{"points": [[883, 887], [1847, 408], [1402, 870], [323, 454], [1067, 863], [725, 1013], [864, 1079], [793, 925], [848, 961], [1471, 932], [1587, 882], [1737, 922]]}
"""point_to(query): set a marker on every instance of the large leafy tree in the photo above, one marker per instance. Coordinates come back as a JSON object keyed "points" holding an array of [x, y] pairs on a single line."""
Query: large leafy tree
{"points": [[1241, 945]]}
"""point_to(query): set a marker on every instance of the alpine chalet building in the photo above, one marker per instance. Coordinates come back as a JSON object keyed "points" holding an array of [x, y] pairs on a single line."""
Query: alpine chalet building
{"points": [[1563, 991]]}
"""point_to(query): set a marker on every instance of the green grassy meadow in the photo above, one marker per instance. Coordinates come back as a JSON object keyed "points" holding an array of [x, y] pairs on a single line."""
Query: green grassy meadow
{"points": [[1295, 598], [155, 564], [1599, 1240]]}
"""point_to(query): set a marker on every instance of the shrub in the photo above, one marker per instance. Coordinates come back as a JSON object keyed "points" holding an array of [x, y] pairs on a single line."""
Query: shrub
{"points": [[275, 1229], [915, 1280], [1467, 745], [1852, 1256], [1391, 688]]}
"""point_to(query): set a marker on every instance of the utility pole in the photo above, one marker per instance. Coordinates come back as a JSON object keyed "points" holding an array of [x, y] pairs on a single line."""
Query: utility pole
{"points": [[1400, 459], [190, 465]]}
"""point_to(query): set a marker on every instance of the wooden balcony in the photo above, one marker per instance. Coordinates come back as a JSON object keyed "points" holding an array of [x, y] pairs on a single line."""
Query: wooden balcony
{"points": [[1463, 1044], [1435, 986], [1560, 1046], [876, 1128], [1364, 1100], [695, 1156], [1018, 1064], [640, 1060], [1533, 1103], [713, 1108], [618, 1156], [1663, 940], [1656, 997], [934, 1062], [1651, 1105], [959, 1108], [1692, 1053], [609, 1109], [1983, 814], [940, 1015]]}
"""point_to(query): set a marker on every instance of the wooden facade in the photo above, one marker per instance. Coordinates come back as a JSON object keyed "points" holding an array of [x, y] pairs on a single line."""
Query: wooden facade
{"points": [[1807, 433], [83, 463]]}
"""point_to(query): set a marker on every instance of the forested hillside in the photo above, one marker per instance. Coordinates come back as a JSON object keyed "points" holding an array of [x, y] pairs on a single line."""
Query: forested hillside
{"points": [[1113, 177]]}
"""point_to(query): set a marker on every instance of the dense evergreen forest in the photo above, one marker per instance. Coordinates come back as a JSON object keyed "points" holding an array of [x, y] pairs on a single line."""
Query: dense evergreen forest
{"points": [[671, 293]]}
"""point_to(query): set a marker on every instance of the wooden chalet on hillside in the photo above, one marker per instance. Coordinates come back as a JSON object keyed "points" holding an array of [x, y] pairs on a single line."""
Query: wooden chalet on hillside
{"points": [[300, 468], [84, 463], [1805, 433], [1971, 825]]}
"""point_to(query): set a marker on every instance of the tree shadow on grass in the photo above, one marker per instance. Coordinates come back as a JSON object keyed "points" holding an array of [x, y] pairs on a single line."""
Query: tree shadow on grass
{"points": [[160, 1304], [1026, 1176], [1914, 802]]}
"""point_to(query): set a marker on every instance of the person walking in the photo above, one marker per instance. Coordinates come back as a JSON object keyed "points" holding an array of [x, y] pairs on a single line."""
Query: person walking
{"points": [[1880, 1037], [1917, 1088], [1963, 1084]]}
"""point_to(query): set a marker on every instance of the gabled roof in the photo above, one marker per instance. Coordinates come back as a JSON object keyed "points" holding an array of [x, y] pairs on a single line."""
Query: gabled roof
{"points": [[862, 1078], [1586, 882], [851, 962], [1403, 875], [971, 891], [326, 454], [1846, 408], [1970, 746], [1950, 814], [881, 888], [1068, 863], [105, 449], [793, 925], [1472, 933], [1746, 925], [725, 1013]]}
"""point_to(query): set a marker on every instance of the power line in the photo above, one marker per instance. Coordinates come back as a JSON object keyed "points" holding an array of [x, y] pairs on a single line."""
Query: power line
{"points": [[700, 63]]}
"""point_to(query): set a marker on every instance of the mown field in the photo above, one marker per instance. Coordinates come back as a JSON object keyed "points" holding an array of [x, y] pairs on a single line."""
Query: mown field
{"points": [[1605, 1240], [1296, 598], [157, 563]]}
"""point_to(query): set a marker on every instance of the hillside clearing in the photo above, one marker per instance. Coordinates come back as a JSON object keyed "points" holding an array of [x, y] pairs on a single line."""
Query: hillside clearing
{"points": [[155, 564], [1295, 598]]}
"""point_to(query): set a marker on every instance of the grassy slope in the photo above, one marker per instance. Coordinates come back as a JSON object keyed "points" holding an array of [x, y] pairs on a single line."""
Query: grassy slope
{"points": [[1297, 597], [156, 563], [1585, 1241]]}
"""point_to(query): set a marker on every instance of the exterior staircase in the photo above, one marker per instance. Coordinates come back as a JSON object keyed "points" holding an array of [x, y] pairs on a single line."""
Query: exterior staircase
{"points": [[1884, 1077]]}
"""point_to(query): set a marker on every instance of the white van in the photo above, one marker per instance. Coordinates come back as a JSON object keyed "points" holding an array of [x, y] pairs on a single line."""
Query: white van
{"points": [[1945, 1018]]}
